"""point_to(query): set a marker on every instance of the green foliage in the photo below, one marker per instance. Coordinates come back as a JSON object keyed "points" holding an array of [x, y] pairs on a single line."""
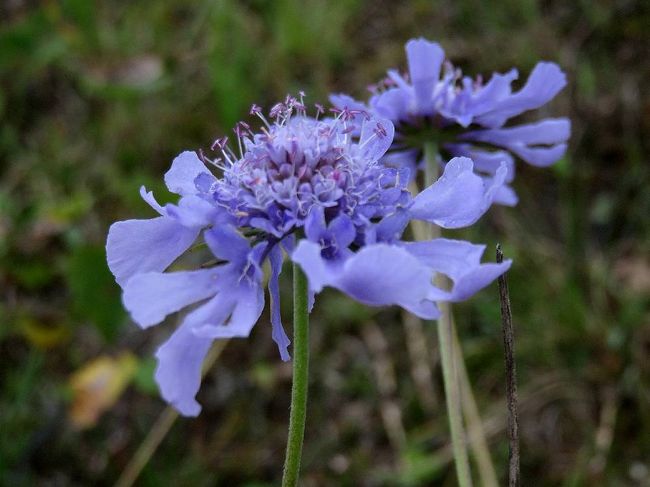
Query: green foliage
{"points": [[94, 294]]}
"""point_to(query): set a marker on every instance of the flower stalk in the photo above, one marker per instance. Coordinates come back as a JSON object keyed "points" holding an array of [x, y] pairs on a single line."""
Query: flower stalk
{"points": [[448, 359], [299, 388]]}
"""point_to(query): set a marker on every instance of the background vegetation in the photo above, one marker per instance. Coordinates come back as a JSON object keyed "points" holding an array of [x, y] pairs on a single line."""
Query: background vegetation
{"points": [[97, 97]]}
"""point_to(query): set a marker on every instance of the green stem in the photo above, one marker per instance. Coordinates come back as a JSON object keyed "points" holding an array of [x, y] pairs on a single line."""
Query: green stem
{"points": [[300, 379], [447, 358]]}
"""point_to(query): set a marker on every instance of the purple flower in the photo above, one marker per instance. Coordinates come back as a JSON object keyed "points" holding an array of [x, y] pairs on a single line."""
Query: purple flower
{"points": [[466, 116], [307, 188]]}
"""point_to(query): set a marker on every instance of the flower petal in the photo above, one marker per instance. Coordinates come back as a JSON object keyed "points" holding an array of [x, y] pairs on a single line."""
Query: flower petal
{"points": [[319, 272], [548, 131], [186, 167], [460, 261], [228, 244], [180, 360], [151, 296], [392, 103], [238, 306], [376, 138], [151, 200], [341, 101], [424, 61], [193, 211], [343, 230], [459, 197], [377, 275], [135, 246], [545, 81], [484, 161], [315, 226], [278, 333], [541, 143], [506, 195]]}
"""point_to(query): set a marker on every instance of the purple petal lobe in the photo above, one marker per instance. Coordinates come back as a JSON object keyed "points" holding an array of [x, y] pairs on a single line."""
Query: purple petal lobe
{"points": [[151, 200], [192, 211], [185, 169], [227, 244], [391, 104], [479, 277], [151, 296], [180, 360], [424, 61], [506, 196], [343, 230], [315, 225], [458, 198], [376, 138], [545, 81], [319, 272], [135, 246], [237, 309], [485, 161], [278, 333], [341, 101], [460, 261], [377, 275]]}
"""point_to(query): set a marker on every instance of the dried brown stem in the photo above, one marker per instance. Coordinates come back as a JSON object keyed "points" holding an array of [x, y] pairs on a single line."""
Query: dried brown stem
{"points": [[511, 377]]}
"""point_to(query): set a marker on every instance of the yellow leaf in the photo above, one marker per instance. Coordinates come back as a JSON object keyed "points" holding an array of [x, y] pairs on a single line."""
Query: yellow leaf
{"points": [[97, 386], [41, 335]]}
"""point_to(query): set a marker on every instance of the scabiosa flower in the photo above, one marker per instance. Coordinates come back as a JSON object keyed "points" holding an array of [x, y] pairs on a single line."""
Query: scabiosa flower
{"points": [[306, 188], [466, 116]]}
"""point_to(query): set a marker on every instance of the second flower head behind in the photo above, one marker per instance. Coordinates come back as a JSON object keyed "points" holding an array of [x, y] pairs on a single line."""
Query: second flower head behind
{"points": [[307, 188], [465, 116]]}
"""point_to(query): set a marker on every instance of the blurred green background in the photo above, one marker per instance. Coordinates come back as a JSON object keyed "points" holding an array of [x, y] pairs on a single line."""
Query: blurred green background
{"points": [[96, 98]]}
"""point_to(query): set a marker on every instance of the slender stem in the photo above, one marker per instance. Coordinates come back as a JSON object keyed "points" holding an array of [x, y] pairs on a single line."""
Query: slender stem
{"points": [[511, 377], [448, 359], [475, 431], [160, 429], [300, 379]]}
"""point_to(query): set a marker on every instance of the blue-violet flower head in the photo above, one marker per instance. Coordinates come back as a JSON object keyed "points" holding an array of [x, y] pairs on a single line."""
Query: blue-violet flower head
{"points": [[466, 116], [307, 188]]}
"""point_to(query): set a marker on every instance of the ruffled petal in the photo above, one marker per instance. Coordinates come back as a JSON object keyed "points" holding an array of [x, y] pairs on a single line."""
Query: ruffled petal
{"points": [[319, 272], [506, 196], [460, 261], [545, 81], [497, 89], [149, 198], [343, 230], [238, 306], [377, 275], [315, 226], [485, 161], [135, 246], [341, 101], [228, 244], [193, 211], [151, 296], [376, 138], [459, 197], [186, 167], [476, 279], [540, 144], [278, 333], [541, 156], [548, 131], [424, 61], [180, 360], [403, 158], [392, 104]]}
